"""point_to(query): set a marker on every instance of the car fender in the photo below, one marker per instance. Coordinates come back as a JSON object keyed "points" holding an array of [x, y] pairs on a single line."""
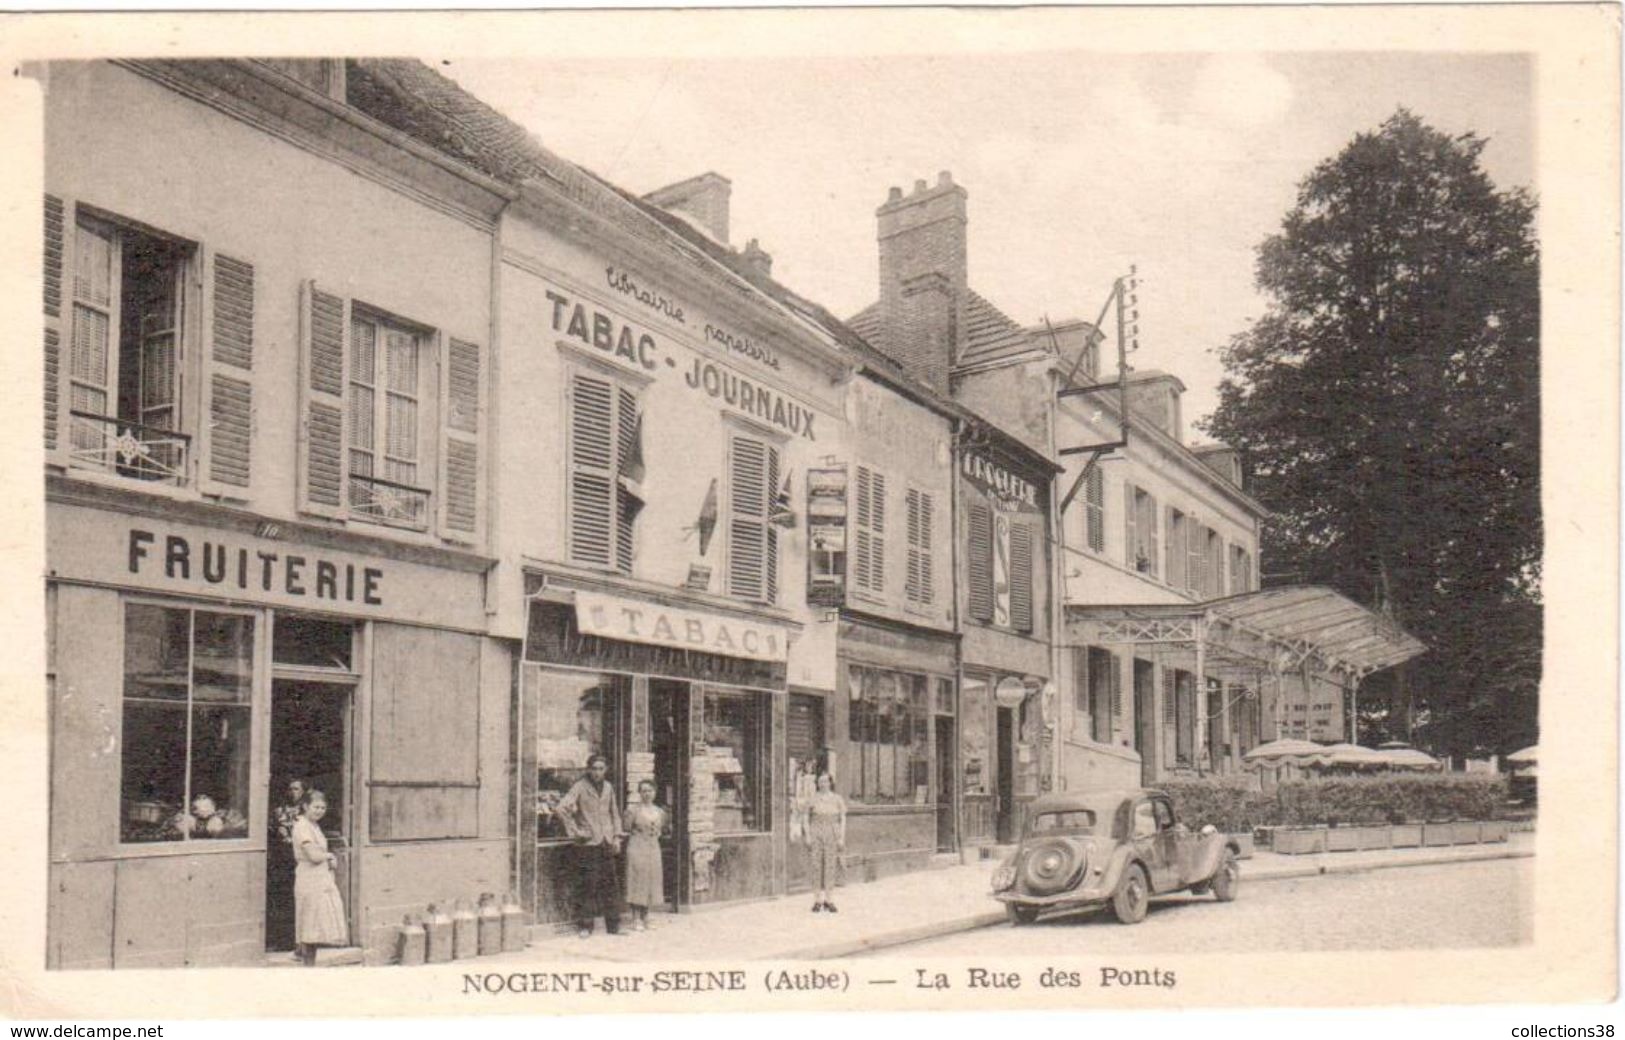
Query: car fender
{"points": [[1209, 854], [1120, 859]]}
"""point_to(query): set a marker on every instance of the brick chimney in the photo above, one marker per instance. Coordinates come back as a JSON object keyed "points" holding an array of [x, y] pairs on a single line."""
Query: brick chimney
{"points": [[757, 262], [922, 276], [702, 200]]}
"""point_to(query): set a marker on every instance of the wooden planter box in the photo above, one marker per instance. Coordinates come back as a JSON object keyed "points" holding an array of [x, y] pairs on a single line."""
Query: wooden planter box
{"points": [[1343, 839], [1406, 835], [1467, 832], [1296, 841], [1376, 837], [1493, 831], [1438, 834]]}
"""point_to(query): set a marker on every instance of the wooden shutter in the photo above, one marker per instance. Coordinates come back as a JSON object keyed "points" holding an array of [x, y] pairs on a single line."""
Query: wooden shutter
{"points": [[1131, 544], [918, 522], [322, 480], [460, 459], [860, 531], [1176, 548], [628, 502], [1153, 540], [770, 499], [870, 565], [592, 470], [1095, 509], [751, 468], [1216, 564], [1170, 719], [979, 562], [1021, 577], [927, 578], [55, 241], [1116, 676], [1195, 554], [230, 386]]}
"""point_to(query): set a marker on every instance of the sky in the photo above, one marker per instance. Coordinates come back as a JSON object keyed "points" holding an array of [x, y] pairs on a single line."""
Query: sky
{"points": [[1077, 164]]}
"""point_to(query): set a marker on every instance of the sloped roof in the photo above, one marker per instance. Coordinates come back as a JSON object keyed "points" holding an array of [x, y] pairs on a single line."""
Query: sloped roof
{"points": [[990, 334]]}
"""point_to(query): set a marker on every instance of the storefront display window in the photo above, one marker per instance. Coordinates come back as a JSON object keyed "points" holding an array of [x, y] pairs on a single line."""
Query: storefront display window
{"points": [[580, 715], [188, 691], [736, 742], [890, 739], [311, 642]]}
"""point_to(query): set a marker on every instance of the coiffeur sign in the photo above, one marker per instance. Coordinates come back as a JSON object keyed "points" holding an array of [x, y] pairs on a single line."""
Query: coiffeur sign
{"points": [[630, 620]]}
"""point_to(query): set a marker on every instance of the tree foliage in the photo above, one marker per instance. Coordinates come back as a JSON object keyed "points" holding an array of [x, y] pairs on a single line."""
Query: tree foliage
{"points": [[1387, 406]]}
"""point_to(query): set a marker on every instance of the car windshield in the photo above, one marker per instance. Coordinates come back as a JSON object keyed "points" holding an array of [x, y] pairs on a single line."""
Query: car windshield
{"points": [[1070, 820]]}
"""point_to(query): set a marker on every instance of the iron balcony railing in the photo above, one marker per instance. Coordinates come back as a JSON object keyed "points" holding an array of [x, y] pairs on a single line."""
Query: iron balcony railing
{"points": [[387, 502], [130, 449]]}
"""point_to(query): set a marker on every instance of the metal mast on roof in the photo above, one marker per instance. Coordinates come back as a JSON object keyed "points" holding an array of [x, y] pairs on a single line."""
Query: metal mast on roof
{"points": [[1125, 294]]}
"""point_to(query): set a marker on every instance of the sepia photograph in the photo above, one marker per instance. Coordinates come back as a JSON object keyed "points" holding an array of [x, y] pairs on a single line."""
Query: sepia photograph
{"points": [[927, 508]]}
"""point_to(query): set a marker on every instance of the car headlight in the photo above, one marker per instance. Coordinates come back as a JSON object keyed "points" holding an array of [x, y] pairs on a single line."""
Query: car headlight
{"points": [[1004, 877]]}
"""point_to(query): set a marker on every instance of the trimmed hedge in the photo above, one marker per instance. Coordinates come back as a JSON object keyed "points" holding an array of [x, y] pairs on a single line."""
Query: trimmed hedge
{"points": [[1234, 806]]}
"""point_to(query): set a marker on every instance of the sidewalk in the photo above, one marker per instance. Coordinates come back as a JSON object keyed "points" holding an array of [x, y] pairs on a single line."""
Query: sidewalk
{"points": [[910, 907]]}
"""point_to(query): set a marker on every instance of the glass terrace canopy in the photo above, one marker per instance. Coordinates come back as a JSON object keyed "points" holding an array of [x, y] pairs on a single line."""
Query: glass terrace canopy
{"points": [[1274, 630]]}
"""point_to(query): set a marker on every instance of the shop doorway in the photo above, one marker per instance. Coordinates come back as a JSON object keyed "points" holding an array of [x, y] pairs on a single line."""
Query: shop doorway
{"points": [[805, 750], [947, 838], [311, 734], [1006, 755], [1145, 721], [668, 739]]}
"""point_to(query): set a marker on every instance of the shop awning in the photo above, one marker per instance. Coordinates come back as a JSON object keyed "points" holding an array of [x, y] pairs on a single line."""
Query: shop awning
{"points": [[1273, 630]]}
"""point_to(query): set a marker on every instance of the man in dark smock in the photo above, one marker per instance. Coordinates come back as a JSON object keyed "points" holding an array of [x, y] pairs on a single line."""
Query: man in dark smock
{"points": [[593, 819]]}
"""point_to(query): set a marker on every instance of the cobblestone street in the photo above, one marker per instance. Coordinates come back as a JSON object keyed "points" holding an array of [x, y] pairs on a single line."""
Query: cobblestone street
{"points": [[1441, 907]]}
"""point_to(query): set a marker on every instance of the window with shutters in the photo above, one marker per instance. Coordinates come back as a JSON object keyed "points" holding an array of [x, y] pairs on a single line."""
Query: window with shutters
{"points": [[1094, 510], [869, 532], [753, 538], [1178, 548], [1185, 722], [1141, 539], [1213, 585], [1021, 576], [1195, 556], [386, 375], [605, 455], [1241, 570], [391, 421], [920, 587], [124, 378]]}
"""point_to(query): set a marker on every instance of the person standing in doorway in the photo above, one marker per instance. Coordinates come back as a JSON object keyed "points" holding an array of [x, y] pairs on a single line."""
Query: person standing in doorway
{"points": [[826, 840], [318, 908], [593, 820], [645, 821], [279, 876]]}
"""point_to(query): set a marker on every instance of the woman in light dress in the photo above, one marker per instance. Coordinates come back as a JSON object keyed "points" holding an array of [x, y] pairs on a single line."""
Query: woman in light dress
{"points": [[318, 911], [644, 884], [826, 839]]}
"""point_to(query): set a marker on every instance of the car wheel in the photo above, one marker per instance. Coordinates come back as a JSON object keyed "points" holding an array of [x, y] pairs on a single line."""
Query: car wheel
{"points": [[1133, 895], [1021, 914], [1226, 879]]}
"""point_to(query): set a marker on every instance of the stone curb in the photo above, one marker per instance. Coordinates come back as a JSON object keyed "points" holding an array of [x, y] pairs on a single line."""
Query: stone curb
{"points": [[972, 922]]}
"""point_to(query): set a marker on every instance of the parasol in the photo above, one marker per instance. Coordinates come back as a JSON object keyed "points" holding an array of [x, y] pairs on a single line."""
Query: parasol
{"points": [[1284, 750], [1526, 757], [1409, 758]]}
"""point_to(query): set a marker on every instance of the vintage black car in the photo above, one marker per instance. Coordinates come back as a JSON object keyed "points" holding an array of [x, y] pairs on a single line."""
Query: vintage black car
{"points": [[1111, 848]]}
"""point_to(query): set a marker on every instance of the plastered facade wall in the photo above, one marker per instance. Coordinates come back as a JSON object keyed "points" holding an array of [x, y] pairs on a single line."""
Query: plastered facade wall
{"points": [[694, 389]]}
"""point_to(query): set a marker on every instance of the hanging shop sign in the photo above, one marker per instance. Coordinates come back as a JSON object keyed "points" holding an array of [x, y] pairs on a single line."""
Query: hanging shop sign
{"points": [[637, 621], [1010, 692], [826, 537], [1012, 491]]}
